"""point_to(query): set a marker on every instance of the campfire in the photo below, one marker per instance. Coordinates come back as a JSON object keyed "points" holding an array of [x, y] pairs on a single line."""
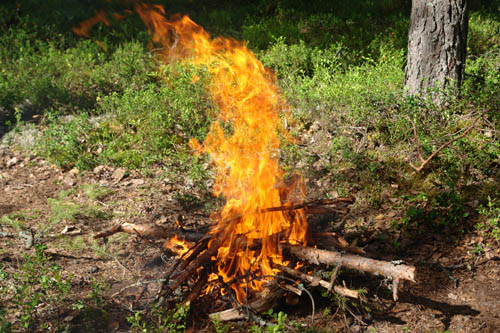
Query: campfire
{"points": [[262, 233]]}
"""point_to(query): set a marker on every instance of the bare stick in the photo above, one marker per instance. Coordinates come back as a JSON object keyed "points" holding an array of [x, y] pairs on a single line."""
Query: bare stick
{"points": [[335, 272], [151, 231], [351, 261], [395, 285], [338, 242], [315, 281], [156, 232], [137, 284]]}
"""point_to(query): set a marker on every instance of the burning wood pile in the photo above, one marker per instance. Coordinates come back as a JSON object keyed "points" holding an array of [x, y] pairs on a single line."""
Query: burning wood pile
{"points": [[197, 265], [262, 231]]}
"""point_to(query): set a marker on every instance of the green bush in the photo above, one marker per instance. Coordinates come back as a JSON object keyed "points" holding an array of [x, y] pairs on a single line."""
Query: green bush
{"points": [[136, 127]]}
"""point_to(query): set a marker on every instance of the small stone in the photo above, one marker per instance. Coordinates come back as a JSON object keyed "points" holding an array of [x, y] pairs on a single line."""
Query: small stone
{"points": [[93, 269], [69, 180], [137, 182], [99, 169], [119, 174], [13, 161], [67, 319], [74, 171], [334, 194]]}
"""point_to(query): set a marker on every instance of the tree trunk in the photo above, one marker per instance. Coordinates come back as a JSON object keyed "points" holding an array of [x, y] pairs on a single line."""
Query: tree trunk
{"points": [[437, 44]]}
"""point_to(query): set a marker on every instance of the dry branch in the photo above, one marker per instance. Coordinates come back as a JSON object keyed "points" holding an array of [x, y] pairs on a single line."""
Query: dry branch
{"points": [[312, 207], [151, 231], [187, 272], [337, 241], [316, 281]]}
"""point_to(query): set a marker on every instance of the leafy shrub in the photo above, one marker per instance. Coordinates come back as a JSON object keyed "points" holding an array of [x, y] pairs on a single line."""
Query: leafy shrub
{"points": [[137, 127]]}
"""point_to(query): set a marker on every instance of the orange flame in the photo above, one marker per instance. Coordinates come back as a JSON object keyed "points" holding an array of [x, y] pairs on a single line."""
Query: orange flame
{"points": [[177, 245], [243, 146], [85, 26]]}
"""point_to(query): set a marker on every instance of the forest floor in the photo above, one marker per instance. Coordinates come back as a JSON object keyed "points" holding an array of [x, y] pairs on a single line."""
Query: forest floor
{"points": [[457, 288]]}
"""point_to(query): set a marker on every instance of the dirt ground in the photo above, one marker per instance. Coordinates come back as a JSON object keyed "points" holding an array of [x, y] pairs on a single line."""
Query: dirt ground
{"points": [[457, 289]]}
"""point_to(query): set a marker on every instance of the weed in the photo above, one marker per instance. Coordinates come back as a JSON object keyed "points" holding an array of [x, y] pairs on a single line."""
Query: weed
{"points": [[92, 310], [490, 221], [13, 222], [160, 320], [279, 327], [96, 192], [65, 209], [38, 284], [219, 326]]}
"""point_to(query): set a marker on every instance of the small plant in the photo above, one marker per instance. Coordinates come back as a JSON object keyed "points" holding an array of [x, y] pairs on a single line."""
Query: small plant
{"points": [[91, 310], [279, 327], [490, 221], [160, 320], [96, 192], [219, 326], [38, 284]]}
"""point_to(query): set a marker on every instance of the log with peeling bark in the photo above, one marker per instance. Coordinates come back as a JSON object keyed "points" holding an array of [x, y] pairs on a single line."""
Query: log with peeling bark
{"points": [[376, 267], [351, 261]]}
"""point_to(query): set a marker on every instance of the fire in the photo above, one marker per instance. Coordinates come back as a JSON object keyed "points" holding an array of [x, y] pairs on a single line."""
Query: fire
{"points": [[243, 145], [85, 26], [177, 245]]}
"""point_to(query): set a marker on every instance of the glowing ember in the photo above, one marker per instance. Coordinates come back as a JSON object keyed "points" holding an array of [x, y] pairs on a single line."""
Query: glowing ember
{"points": [[243, 146]]}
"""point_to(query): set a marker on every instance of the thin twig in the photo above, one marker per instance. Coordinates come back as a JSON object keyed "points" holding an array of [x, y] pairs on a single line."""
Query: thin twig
{"points": [[137, 284], [444, 145], [305, 205]]}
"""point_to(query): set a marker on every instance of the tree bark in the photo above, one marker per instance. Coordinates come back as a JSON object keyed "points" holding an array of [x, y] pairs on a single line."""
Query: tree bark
{"points": [[437, 44]]}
